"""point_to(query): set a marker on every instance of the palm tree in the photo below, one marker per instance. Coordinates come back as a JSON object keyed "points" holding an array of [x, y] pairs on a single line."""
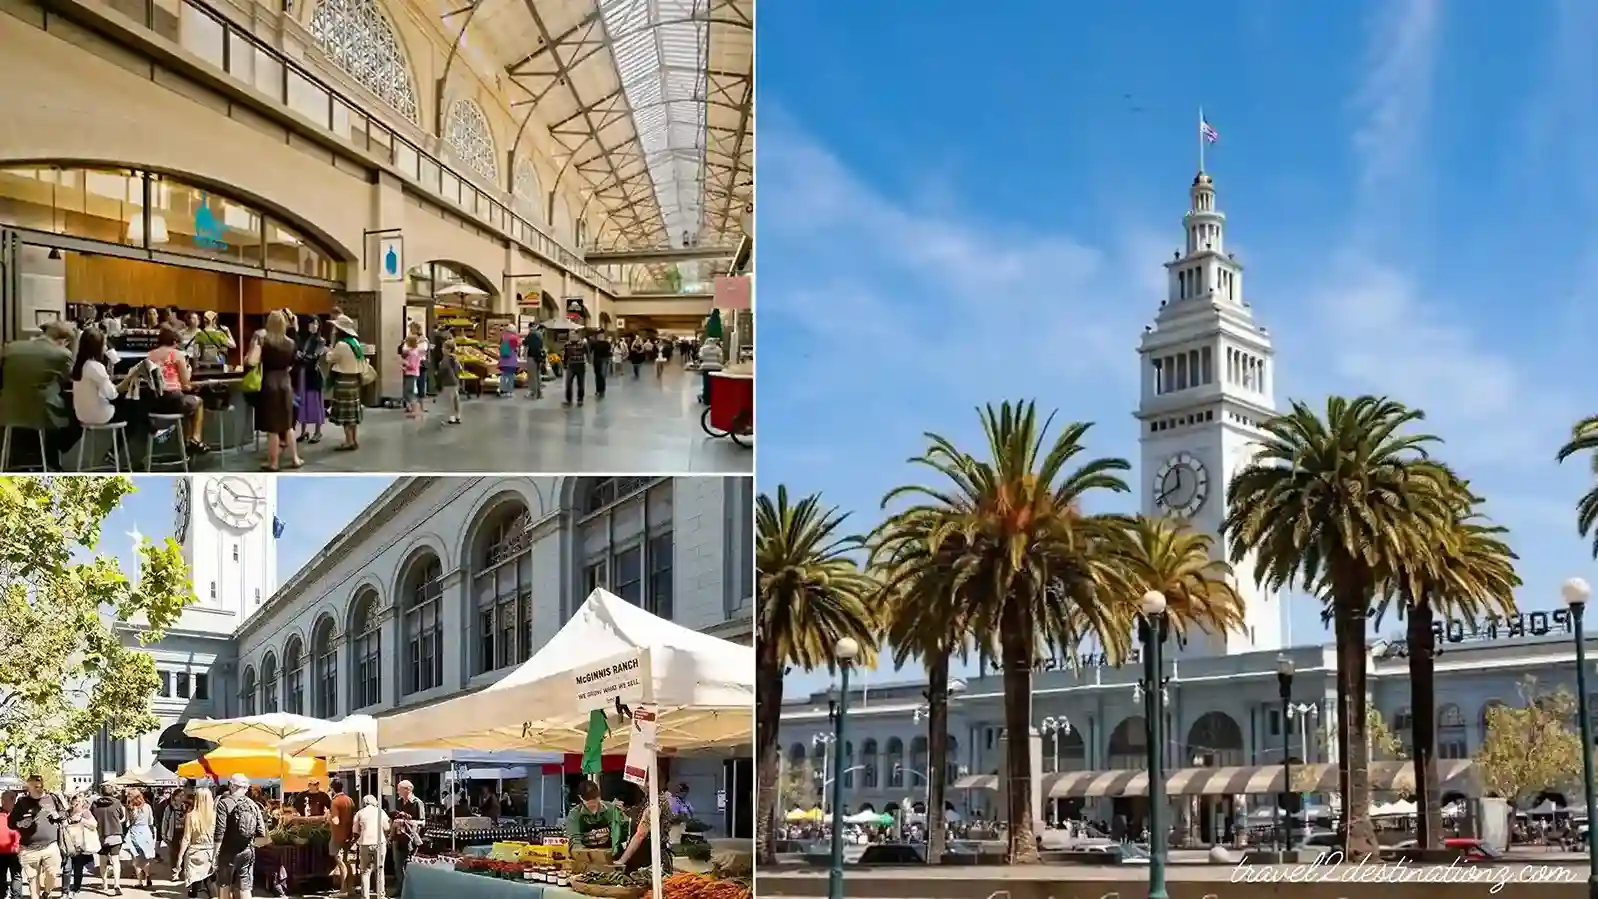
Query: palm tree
{"points": [[1464, 573], [1024, 564], [1165, 554], [1333, 506], [923, 618], [811, 594], [1583, 439]]}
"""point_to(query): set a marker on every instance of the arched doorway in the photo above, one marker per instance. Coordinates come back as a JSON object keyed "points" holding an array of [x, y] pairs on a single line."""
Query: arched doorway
{"points": [[1215, 740], [1070, 755], [1128, 750], [174, 747], [452, 296]]}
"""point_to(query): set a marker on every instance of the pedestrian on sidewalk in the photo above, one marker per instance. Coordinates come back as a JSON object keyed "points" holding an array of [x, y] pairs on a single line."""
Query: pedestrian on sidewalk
{"points": [[10, 845], [371, 837], [111, 818], [80, 842]]}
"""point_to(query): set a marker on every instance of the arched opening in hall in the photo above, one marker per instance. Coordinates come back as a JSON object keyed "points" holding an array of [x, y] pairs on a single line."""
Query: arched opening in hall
{"points": [[99, 241], [1215, 740], [365, 650], [444, 296], [1064, 751], [501, 585], [1128, 751], [420, 605]]}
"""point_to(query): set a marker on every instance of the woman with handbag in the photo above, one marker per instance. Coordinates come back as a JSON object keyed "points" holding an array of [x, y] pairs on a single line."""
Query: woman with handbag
{"points": [[197, 854], [80, 842], [140, 839], [270, 358], [350, 372]]}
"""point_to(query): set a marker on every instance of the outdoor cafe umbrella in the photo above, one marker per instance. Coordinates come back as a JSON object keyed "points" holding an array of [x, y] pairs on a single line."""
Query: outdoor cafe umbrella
{"points": [[257, 764], [460, 290], [252, 731]]}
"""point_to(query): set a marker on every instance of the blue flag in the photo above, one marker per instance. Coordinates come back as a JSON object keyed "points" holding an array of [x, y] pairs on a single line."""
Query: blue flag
{"points": [[277, 527]]}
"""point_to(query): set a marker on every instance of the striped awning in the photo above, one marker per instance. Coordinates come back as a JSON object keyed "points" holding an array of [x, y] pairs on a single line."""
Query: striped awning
{"points": [[977, 782], [1455, 776]]}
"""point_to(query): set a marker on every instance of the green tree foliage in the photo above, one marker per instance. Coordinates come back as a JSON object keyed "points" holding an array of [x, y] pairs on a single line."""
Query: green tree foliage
{"points": [[799, 788], [1384, 744], [1531, 748], [65, 673]]}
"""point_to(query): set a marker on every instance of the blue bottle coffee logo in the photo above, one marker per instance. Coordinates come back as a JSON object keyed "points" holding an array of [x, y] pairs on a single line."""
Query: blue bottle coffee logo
{"points": [[208, 232], [391, 261]]}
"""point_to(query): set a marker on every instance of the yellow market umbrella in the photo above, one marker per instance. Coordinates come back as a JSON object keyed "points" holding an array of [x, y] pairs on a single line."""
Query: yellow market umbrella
{"points": [[794, 816], [253, 763]]}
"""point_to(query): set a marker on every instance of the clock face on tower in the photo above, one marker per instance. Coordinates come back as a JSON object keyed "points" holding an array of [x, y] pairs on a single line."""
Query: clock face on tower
{"points": [[1181, 485], [181, 504], [235, 501]]}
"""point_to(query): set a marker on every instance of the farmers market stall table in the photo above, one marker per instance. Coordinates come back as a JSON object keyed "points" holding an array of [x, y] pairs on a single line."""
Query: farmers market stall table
{"points": [[424, 881]]}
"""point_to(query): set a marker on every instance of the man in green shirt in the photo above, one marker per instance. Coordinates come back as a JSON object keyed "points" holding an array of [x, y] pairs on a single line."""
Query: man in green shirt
{"points": [[594, 824]]}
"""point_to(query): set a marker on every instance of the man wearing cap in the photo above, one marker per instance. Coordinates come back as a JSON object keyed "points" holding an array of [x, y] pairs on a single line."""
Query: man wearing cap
{"points": [[238, 825], [316, 801]]}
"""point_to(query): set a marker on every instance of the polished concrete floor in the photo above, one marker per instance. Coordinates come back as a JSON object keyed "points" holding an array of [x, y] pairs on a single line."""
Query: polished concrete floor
{"points": [[642, 426]]}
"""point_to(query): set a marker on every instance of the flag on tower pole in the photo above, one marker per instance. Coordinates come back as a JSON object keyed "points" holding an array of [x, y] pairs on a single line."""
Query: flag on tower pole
{"points": [[1207, 135]]}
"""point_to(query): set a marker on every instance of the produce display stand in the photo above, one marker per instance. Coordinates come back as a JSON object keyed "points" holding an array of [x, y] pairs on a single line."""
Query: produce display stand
{"points": [[431, 881]]}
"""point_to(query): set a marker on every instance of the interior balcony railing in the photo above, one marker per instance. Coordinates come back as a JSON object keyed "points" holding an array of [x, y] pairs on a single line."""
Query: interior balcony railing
{"points": [[211, 37]]}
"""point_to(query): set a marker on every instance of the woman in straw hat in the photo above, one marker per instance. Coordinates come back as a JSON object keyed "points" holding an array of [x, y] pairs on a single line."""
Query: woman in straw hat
{"points": [[347, 361]]}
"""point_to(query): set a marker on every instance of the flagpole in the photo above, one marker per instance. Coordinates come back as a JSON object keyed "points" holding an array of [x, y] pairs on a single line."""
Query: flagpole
{"points": [[1201, 139]]}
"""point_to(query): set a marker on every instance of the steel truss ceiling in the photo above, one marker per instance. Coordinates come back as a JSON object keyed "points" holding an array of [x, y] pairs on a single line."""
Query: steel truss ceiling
{"points": [[650, 104]]}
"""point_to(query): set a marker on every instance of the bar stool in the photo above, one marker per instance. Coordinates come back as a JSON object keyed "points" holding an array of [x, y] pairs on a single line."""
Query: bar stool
{"points": [[158, 423], [5, 448], [119, 432]]}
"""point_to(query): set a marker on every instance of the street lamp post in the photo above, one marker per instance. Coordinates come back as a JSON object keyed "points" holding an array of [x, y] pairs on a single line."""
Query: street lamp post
{"points": [[1284, 686], [1055, 728], [1151, 628], [1576, 593], [824, 742], [1305, 713], [845, 652]]}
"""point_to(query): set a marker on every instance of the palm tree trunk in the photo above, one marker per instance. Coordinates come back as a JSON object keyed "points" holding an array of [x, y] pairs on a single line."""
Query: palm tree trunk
{"points": [[937, 753], [768, 715], [1018, 642], [1423, 715], [1353, 775]]}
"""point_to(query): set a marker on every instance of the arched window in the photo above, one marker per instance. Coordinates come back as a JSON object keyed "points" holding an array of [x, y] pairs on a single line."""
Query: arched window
{"points": [[502, 586], [529, 192], [366, 653], [324, 644], [626, 527], [248, 693], [951, 771], [357, 37], [868, 765], [294, 677], [271, 700], [895, 763], [1451, 741], [422, 626], [917, 775], [848, 765], [472, 141]]}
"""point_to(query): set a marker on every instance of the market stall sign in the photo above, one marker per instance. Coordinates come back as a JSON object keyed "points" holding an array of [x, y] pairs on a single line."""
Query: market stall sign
{"points": [[576, 310], [620, 678]]}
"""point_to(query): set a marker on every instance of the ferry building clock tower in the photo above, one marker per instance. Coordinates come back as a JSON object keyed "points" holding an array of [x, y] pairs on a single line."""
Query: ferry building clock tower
{"points": [[1207, 378]]}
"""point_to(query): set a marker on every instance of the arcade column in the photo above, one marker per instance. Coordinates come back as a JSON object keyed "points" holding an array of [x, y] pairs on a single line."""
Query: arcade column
{"points": [[1036, 775], [386, 333]]}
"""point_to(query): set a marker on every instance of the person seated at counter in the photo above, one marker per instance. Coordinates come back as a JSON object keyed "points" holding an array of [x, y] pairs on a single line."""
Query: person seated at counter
{"points": [[32, 375], [172, 372], [593, 823], [96, 398]]}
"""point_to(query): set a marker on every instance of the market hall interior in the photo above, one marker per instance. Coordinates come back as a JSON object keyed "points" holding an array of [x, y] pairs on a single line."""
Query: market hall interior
{"points": [[470, 170]]}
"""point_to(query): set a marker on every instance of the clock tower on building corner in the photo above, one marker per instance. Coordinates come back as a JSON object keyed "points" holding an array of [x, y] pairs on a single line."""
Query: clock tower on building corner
{"points": [[224, 524], [1207, 378]]}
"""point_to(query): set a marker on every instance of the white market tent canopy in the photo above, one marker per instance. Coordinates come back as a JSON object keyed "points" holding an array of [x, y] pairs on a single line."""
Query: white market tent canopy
{"points": [[426, 758], [157, 775], [703, 687], [351, 739]]}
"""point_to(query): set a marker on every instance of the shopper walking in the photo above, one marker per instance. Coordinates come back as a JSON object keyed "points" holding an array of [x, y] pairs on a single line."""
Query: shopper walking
{"points": [[80, 841], [411, 355], [238, 824], [38, 817], [575, 355], [11, 885], [637, 355], [449, 383], [197, 851], [371, 838], [510, 352], [140, 841], [341, 822], [172, 827], [274, 352], [599, 351], [347, 360], [662, 356], [111, 820]]}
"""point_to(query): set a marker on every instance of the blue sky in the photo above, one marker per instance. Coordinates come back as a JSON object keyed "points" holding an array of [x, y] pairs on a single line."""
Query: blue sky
{"points": [[972, 203], [303, 505]]}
